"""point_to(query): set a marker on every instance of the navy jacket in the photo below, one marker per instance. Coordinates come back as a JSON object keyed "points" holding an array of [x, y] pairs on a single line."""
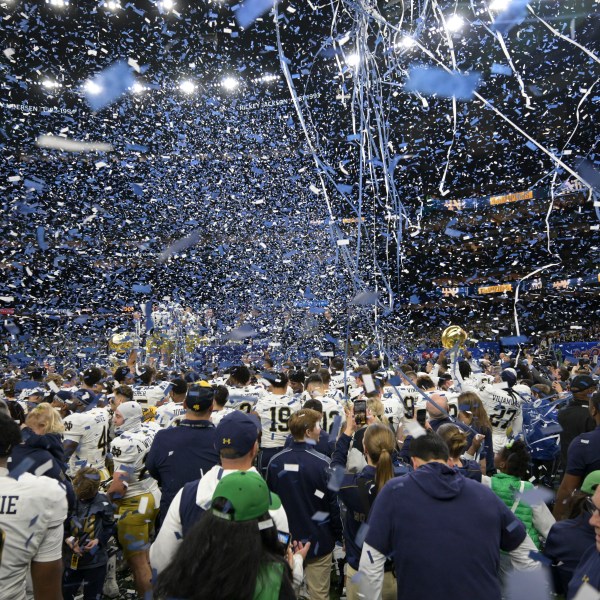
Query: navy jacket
{"points": [[357, 493], [566, 544], [299, 475], [588, 571], [179, 455], [435, 516]]}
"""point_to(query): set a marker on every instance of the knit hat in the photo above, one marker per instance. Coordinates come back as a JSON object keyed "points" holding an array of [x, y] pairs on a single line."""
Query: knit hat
{"points": [[247, 495]]}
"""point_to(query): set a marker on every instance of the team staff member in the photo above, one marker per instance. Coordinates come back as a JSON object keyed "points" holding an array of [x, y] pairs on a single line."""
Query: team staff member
{"points": [[237, 443], [32, 512], [274, 410], [184, 453], [299, 476], [588, 570], [136, 495], [583, 457]]}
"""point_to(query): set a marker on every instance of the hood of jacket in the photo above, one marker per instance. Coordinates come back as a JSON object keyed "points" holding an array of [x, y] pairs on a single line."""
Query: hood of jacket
{"points": [[438, 480]]}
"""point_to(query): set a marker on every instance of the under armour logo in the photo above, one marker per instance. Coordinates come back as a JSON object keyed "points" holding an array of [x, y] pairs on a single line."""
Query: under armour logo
{"points": [[227, 440]]}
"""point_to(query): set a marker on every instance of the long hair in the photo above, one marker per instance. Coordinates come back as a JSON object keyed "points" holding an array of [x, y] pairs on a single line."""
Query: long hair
{"points": [[221, 559], [471, 402], [46, 416], [379, 442], [455, 438]]}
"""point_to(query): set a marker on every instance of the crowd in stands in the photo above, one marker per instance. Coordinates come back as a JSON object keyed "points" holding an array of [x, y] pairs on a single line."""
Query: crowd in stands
{"points": [[268, 479]]}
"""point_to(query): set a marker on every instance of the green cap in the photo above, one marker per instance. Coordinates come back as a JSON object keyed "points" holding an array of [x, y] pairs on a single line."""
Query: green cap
{"points": [[590, 483], [247, 494]]}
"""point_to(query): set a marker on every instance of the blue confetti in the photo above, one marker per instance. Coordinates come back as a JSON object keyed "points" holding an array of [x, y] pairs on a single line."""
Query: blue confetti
{"points": [[436, 81], [108, 85]]}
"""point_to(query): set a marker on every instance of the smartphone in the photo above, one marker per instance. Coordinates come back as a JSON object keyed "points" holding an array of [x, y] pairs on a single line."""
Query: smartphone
{"points": [[360, 412], [422, 416], [284, 538]]}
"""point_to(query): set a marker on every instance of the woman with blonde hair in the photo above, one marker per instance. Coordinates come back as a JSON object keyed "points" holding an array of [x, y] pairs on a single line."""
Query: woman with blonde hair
{"points": [[41, 449], [358, 491]]}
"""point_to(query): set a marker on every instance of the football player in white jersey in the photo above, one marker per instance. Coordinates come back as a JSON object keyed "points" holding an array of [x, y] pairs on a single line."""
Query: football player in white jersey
{"points": [[242, 395], [148, 392], [220, 409], [504, 408], [136, 495], [86, 436], [274, 410], [172, 411], [32, 513], [317, 389]]}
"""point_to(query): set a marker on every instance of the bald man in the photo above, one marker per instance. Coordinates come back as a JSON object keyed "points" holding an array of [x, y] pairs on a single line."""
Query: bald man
{"points": [[438, 411]]}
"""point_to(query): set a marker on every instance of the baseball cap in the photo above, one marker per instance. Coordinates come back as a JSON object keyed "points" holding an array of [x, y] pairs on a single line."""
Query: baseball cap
{"points": [[247, 495], [591, 482], [582, 383], [199, 396], [238, 431], [85, 397]]}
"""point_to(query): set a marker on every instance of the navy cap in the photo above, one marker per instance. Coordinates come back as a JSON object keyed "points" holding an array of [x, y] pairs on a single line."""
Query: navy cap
{"points": [[238, 431], [582, 383], [199, 397]]}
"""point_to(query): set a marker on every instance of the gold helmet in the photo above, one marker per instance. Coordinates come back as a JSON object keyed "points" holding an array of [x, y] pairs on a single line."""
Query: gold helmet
{"points": [[453, 335]]}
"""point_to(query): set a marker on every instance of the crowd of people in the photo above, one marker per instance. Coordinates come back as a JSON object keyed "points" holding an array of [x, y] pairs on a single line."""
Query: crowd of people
{"points": [[264, 480]]}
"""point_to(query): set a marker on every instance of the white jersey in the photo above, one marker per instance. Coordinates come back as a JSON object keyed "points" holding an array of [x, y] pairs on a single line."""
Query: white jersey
{"points": [[170, 414], [129, 452], [90, 430], [393, 407], [217, 415], [331, 408], [32, 512], [244, 398], [504, 408], [151, 395], [274, 413]]}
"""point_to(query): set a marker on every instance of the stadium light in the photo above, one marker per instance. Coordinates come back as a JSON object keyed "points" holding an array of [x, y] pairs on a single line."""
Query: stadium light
{"points": [[406, 42], [187, 87], [454, 23], [230, 83], [167, 5], [49, 84], [113, 5], [353, 60], [58, 3], [499, 5], [91, 87], [137, 88]]}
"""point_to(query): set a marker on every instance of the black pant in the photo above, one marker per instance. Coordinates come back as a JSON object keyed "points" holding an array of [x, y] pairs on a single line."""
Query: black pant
{"points": [[92, 579]]}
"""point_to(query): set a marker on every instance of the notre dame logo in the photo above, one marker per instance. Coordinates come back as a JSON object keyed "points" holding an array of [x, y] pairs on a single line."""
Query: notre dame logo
{"points": [[116, 452], [68, 425]]}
